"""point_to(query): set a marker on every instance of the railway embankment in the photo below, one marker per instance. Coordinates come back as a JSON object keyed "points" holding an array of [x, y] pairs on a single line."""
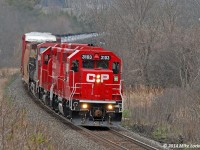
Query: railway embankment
{"points": [[31, 126], [24, 125]]}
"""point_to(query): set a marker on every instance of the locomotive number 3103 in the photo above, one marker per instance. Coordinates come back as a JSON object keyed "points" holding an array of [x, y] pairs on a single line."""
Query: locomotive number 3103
{"points": [[105, 57]]}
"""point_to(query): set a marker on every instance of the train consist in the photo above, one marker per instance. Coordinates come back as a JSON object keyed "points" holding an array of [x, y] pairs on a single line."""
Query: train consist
{"points": [[80, 81]]}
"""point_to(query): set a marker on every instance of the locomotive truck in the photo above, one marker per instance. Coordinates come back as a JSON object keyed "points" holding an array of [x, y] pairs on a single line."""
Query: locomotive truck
{"points": [[80, 81]]}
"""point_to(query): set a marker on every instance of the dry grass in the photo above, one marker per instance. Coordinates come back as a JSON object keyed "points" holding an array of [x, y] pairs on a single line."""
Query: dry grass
{"points": [[141, 96], [6, 72], [16, 132], [170, 115]]}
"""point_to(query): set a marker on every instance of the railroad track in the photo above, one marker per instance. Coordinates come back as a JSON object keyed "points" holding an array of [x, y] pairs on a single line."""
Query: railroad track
{"points": [[110, 139], [123, 141]]}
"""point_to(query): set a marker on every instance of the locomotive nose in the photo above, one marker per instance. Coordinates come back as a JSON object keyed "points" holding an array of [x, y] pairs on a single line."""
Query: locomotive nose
{"points": [[97, 84]]}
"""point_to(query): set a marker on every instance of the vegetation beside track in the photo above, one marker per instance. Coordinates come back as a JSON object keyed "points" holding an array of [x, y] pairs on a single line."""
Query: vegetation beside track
{"points": [[16, 131], [158, 42], [19, 17], [167, 116]]}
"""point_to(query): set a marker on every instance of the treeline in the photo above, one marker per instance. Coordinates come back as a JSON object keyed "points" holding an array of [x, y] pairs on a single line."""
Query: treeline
{"points": [[158, 40], [20, 16], [24, 4]]}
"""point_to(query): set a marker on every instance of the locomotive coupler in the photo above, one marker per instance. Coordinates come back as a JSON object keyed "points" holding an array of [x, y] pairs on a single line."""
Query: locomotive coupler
{"points": [[98, 113]]}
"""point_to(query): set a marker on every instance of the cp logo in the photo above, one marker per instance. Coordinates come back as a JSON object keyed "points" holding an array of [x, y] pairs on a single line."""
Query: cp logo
{"points": [[95, 78]]}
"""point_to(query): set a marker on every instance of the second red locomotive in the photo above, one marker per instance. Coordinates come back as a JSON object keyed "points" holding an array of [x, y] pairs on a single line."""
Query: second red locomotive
{"points": [[80, 81]]}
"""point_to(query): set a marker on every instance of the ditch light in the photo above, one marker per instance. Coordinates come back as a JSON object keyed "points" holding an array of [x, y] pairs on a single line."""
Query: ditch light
{"points": [[84, 106]]}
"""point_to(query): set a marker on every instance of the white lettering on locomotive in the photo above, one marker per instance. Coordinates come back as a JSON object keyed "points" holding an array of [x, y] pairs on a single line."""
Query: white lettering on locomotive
{"points": [[104, 77], [92, 77]]}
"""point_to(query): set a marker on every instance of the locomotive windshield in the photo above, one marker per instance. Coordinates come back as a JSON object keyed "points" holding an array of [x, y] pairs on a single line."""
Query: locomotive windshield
{"points": [[91, 64], [102, 64], [88, 64]]}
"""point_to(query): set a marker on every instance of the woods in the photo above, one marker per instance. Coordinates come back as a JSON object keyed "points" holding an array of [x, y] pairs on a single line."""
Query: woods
{"points": [[159, 42], [158, 39], [17, 19]]}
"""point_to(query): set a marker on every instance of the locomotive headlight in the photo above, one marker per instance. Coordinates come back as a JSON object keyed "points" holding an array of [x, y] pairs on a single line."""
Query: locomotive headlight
{"points": [[84, 106], [98, 76], [110, 107], [98, 80]]}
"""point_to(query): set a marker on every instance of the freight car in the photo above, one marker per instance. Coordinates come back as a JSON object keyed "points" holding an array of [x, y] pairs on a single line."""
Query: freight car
{"points": [[80, 81]]}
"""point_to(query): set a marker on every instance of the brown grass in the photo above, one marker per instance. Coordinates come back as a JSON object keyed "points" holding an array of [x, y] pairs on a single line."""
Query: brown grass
{"points": [[4, 75], [6, 72], [170, 115], [141, 96], [16, 132]]}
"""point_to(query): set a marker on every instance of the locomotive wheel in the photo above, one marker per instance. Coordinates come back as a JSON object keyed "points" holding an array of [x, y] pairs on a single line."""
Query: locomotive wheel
{"points": [[55, 108], [55, 105], [40, 93], [45, 100], [67, 112]]}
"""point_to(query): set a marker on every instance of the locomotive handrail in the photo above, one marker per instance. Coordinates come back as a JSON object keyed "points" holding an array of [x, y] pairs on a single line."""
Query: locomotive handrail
{"points": [[83, 84], [120, 91], [31, 64], [120, 87], [59, 78], [46, 72], [52, 76], [114, 87], [112, 84], [121, 94], [74, 91], [70, 97]]}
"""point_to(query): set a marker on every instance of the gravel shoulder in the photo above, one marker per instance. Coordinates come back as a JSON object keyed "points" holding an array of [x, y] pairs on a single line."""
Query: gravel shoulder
{"points": [[69, 138]]}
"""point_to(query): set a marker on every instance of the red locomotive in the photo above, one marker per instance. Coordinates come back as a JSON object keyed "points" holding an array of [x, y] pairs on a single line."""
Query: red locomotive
{"points": [[80, 81]]}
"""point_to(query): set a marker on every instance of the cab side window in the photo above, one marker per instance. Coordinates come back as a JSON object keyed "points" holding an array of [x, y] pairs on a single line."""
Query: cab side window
{"points": [[75, 65], [115, 67], [46, 59]]}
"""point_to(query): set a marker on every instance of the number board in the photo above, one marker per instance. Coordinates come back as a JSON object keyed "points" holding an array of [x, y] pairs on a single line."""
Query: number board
{"points": [[86, 56], [105, 57]]}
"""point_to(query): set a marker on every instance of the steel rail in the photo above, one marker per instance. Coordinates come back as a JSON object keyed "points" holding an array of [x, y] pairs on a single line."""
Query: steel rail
{"points": [[133, 140]]}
